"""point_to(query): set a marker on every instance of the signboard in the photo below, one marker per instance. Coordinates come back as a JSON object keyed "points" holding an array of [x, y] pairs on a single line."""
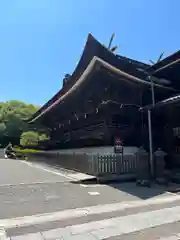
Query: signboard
{"points": [[118, 148]]}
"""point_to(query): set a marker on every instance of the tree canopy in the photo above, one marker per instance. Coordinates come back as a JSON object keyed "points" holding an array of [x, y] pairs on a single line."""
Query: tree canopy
{"points": [[32, 138], [12, 120]]}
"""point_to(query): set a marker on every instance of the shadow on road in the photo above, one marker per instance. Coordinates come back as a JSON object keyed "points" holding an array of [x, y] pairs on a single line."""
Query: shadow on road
{"points": [[131, 188], [140, 192], [128, 187]]}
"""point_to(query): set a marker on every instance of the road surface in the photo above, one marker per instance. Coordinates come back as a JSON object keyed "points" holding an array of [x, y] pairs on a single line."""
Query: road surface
{"points": [[38, 201]]}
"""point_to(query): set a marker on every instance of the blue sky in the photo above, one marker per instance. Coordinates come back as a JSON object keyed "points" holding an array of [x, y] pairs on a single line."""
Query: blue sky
{"points": [[41, 40]]}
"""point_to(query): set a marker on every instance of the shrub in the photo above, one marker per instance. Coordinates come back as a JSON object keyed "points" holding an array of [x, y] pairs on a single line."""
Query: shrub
{"points": [[32, 139], [19, 150]]}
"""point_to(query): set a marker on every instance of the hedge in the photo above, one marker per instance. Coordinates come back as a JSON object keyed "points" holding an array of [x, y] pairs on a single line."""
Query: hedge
{"points": [[26, 150]]}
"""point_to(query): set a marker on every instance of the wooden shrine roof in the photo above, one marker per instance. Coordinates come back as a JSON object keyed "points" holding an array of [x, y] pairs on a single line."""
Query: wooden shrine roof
{"points": [[168, 69], [169, 101], [93, 66], [94, 56]]}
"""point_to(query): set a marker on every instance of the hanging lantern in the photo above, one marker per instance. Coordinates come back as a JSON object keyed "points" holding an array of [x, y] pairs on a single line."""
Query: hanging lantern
{"points": [[76, 116]]}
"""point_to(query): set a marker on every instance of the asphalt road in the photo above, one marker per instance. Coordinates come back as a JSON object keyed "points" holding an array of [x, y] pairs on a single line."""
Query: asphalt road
{"points": [[27, 190]]}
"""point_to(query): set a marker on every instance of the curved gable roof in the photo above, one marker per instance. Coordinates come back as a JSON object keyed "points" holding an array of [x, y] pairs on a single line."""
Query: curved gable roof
{"points": [[95, 49]]}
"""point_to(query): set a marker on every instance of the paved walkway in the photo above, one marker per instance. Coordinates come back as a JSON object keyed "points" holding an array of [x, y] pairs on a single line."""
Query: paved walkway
{"points": [[156, 218], [40, 202]]}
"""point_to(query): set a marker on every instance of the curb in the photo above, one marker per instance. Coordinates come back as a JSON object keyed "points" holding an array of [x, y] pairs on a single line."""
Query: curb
{"points": [[116, 178], [3, 235]]}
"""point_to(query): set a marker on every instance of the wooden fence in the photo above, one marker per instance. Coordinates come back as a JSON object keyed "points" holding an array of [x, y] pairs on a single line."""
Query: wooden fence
{"points": [[93, 164], [114, 164]]}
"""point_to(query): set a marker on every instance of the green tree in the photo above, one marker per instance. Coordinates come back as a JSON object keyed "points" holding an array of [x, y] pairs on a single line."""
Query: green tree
{"points": [[2, 132], [43, 137], [32, 138], [12, 119], [2, 128]]}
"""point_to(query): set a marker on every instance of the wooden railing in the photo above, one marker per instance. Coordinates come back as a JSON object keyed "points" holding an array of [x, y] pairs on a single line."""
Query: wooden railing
{"points": [[93, 164], [115, 164]]}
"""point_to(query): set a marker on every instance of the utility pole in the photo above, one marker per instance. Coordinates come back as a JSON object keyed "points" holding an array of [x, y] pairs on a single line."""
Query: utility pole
{"points": [[152, 90], [150, 127]]}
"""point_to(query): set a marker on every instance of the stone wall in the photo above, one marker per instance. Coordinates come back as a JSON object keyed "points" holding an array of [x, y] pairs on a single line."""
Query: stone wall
{"points": [[94, 164], [96, 150], [1, 153]]}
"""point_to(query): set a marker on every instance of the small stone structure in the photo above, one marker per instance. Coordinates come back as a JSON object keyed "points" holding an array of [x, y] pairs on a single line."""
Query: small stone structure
{"points": [[143, 169], [1, 153], [160, 166]]}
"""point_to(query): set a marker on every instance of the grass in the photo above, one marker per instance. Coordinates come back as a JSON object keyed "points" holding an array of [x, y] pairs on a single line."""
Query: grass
{"points": [[26, 150]]}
